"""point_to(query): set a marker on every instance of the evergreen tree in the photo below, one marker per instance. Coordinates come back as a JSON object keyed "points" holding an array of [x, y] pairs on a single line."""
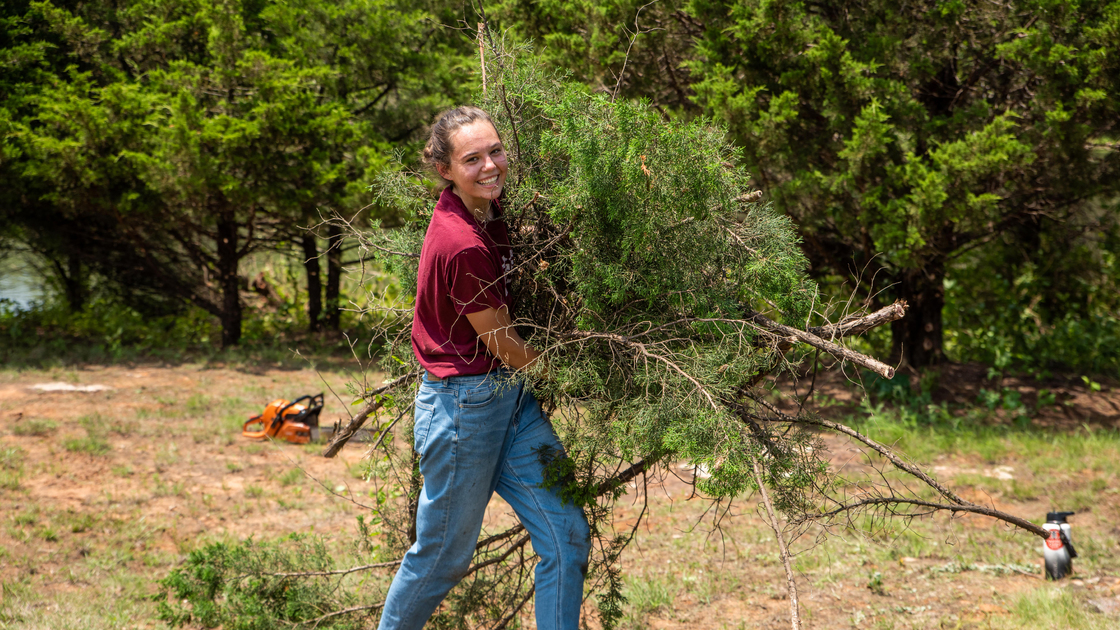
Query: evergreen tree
{"points": [[159, 143], [899, 137]]}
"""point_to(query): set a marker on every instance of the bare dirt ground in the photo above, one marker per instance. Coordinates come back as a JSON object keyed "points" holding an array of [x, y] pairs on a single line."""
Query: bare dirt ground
{"points": [[108, 488]]}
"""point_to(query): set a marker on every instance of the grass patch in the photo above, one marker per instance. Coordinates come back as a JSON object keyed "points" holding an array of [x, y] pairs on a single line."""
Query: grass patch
{"points": [[198, 404], [936, 431], [90, 445], [644, 597], [11, 467], [78, 522], [292, 477], [1050, 607], [94, 442], [30, 516], [123, 427], [35, 427]]}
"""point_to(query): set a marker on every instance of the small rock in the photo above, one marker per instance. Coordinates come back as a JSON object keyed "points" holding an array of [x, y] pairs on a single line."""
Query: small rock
{"points": [[1106, 605]]}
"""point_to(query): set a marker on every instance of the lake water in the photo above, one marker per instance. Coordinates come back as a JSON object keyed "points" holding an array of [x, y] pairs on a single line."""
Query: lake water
{"points": [[20, 284]]}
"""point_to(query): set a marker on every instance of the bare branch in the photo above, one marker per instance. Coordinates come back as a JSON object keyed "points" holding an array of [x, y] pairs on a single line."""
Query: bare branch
{"points": [[341, 437]]}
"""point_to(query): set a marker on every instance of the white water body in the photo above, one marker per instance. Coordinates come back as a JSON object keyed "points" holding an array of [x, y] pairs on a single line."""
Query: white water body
{"points": [[19, 285]]}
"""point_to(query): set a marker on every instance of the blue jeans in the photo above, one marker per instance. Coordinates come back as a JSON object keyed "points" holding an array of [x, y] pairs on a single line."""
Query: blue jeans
{"points": [[477, 435]]}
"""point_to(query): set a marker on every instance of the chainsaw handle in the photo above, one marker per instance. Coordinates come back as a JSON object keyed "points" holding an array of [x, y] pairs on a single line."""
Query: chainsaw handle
{"points": [[256, 435], [310, 413], [314, 402]]}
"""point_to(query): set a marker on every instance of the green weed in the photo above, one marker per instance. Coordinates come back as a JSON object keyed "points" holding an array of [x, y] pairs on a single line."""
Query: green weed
{"points": [[235, 585], [165, 489], [645, 596], [90, 445], [79, 522], [37, 427], [94, 442], [11, 467], [1050, 607], [123, 427], [48, 534], [292, 477], [875, 583], [167, 456], [197, 404], [28, 516]]}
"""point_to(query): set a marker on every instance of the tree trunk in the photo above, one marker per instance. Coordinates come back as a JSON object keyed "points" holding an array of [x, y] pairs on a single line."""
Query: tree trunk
{"points": [[334, 276], [228, 281], [75, 285], [314, 284], [917, 338]]}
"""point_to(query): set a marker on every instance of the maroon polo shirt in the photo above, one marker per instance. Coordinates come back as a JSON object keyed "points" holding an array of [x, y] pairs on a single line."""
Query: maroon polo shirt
{"points": [[464, 268]]}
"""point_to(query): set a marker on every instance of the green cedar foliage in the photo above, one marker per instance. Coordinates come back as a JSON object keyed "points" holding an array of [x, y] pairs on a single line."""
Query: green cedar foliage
{"points": [[899, 137], [243, 586], [638, 258], [632, 48]]}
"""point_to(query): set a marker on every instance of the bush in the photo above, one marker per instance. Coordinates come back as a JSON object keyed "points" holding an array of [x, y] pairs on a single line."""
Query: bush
{"points": [[248, 586]]}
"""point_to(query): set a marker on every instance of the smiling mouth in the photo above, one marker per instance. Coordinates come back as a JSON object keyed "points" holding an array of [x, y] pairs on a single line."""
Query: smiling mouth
{"points": [[487, 182]]}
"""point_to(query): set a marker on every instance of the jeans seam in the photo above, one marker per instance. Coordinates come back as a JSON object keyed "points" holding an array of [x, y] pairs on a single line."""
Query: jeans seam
{"points": [[554, 541], [443, 521]]}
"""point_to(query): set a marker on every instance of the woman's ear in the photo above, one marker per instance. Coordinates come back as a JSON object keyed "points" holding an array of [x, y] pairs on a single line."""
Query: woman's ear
{"points": [[444, 171]]}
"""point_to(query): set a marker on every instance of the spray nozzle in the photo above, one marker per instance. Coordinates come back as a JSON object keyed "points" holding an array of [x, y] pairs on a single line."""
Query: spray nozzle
{"points": [[1058, 517]]}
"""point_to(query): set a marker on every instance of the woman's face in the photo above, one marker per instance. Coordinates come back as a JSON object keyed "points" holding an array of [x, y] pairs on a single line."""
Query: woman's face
{"points": [[478, 164]]}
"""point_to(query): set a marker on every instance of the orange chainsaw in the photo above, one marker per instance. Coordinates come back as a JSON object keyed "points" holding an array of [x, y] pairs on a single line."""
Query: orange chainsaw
{"points": [[295, 421]]}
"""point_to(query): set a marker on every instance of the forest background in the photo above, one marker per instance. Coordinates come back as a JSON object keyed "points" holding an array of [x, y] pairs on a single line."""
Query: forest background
{"points": [[961, 156], [168, 167]]}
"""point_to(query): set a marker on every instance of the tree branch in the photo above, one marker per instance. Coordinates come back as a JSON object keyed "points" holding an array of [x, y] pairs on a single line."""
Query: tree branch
{"points": [[341, 436]]}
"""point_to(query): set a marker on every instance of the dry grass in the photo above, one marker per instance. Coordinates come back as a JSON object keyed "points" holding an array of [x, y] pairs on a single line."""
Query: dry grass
{"points": [[101, 493]]}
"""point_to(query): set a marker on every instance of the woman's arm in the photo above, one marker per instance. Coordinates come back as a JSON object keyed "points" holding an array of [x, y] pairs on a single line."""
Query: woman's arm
{"points": [[496, 330]]}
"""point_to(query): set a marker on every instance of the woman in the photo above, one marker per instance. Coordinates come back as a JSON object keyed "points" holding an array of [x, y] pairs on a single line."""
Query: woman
{"points": [[477, 429]]}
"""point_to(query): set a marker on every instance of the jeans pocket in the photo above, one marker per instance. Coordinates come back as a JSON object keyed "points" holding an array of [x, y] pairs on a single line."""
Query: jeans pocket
{"points": [[480, 396], [422, 423]]}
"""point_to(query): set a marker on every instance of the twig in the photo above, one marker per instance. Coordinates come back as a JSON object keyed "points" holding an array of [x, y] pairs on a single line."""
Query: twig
{"points": [[958, 504], [637, 31], [386, 430], [342, 436], [970, 508], [519, 543], [364, 567], [509, 533], [346, 611], [482, 53], [783, 550], [509, 617]]}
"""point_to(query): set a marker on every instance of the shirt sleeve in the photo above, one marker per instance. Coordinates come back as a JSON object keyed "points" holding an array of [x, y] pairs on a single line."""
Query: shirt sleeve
{"points": [[475, 283]]}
